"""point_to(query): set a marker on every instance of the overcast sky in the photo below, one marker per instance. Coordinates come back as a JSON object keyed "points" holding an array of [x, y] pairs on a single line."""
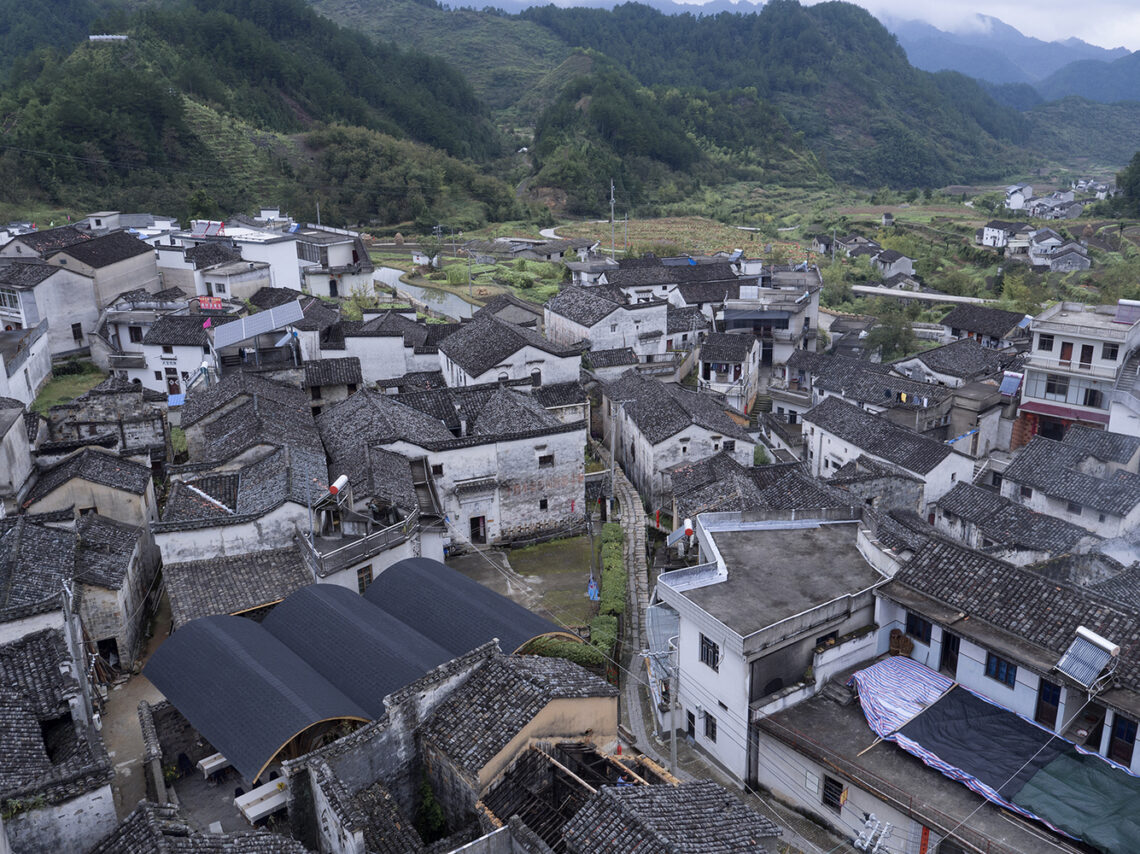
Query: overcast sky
{"points": [[1108, 23]]}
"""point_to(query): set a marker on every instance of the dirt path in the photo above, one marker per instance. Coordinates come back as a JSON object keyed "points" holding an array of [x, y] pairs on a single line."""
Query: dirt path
{"points": [[121, 732]]}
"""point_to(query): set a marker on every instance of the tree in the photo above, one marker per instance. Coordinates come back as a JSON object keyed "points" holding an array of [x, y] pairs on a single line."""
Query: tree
{"points": [[1128, 182], [892, 337], [202, 205]]}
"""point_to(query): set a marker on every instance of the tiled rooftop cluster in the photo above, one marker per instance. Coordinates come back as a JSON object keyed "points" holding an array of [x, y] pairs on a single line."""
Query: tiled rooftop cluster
{"points": [[499, 699], [45, 751], [693, 818], [877, 436], [661, 410]]}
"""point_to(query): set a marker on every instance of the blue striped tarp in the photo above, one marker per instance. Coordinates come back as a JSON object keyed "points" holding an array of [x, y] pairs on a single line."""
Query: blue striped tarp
{"points": [[896, 689]]}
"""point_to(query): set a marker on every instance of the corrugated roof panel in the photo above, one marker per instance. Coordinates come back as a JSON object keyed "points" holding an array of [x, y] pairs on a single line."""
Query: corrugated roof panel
{"points": [[257, 324]]}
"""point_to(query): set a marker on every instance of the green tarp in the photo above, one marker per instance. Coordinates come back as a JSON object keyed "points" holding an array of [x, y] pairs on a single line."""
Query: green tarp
{"points": [[1088, 798]]}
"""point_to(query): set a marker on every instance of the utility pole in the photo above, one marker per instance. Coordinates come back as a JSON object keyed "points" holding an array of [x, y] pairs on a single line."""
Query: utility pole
{"points": [[674, 703], [318, 211], [612, 246], [625, 240]]}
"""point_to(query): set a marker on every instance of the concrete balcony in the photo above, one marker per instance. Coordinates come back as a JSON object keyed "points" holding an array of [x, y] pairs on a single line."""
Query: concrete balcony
{"points": [[1072, 366], [125, 361], [327, 555], [793, 395]]}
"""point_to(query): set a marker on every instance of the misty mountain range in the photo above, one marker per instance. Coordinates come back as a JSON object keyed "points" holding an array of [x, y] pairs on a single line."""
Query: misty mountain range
{"points": [[993, 52]]}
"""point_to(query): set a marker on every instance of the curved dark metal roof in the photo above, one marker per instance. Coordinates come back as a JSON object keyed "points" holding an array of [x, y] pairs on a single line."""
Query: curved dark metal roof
{"points": [[243, 689], [325, 653], [453, 610], [359, 648]]}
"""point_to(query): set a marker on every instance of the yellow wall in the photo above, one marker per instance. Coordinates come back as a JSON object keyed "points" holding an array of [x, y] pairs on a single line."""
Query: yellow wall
{"points": [[588, 718]]}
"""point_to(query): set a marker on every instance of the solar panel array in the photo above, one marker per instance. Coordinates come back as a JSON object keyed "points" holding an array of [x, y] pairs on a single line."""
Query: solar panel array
{"points": [[257, 324]]}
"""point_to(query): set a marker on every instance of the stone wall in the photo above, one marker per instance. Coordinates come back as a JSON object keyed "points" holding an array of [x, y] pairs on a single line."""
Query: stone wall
{"points": [[886, 493], [525, 485], [138, 424], [73, 825], [456, 792], [385, 750], [167, 734]]}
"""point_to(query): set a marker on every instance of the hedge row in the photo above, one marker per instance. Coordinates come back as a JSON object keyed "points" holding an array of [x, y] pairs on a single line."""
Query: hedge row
{"points": [[585, 654], [612, 533], [613, 580], [604, 633]]}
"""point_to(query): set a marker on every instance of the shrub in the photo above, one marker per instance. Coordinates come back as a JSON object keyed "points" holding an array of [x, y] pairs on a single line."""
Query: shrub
{"points": [[584, 654], [604, 632], [614, 580], [612, 533]]}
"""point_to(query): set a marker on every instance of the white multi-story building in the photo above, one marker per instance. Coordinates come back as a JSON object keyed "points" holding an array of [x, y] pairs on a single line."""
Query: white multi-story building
{"points": [[1080, 371], [837, 432], [780, 307], [754, 630]]}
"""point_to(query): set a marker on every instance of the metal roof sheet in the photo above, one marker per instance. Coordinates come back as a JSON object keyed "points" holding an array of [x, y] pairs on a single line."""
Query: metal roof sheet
{"points": [[277, 317]]}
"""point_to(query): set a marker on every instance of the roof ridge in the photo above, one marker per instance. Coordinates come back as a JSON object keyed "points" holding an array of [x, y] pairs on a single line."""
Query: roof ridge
{"points": [[207, 496]]}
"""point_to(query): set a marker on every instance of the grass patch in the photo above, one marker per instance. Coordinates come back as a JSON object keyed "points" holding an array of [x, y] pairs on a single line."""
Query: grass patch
{"points": [[63, 388]]}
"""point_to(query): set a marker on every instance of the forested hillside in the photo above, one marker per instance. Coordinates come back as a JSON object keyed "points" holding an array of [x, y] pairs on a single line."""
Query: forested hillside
{"points": [[832, 70], [418, 113], [660, 145], [217, 96]]}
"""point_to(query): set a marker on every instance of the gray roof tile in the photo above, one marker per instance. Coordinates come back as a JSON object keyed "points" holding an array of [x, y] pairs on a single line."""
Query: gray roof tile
{"points": [[582, 306], [500, 698], [611, 358], [231, 584], [661, 410], [1008, 523], [105, 550], [486, 341], [726, 347], [151, 828], [322, 372], [202, 402], [964, 358], [687, 319], [35, 563], [108, 249], [96, 466], [1020, 601], [35, 684], [178, 330], [982, 320], [877, 436], [700, 817], [50, 239], [1102, 444], [720, 484], [1054, 468]]}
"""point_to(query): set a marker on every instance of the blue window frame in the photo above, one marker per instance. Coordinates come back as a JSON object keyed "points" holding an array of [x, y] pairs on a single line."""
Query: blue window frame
{"points": [[918, 628], [1001, 670], [1050, 693]]}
